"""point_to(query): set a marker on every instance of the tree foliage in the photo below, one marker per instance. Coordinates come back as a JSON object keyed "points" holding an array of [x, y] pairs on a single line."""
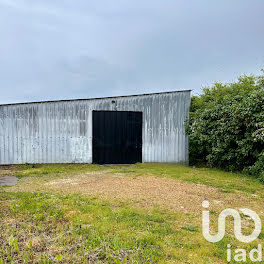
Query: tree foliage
{"points": [[226, 126]]}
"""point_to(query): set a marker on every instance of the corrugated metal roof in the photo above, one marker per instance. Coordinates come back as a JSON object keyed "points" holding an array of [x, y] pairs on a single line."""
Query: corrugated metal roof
{"points": [[96, 98]]}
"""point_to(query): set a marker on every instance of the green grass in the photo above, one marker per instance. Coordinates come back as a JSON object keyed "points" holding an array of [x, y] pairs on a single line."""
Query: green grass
{"points": [[28, 170], [55, 228], [48, 228], [190, 228], [225, 181], [80, 229]]}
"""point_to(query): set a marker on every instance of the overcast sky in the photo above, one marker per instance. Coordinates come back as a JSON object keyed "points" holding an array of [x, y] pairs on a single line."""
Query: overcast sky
{"points": [[62, 49]]}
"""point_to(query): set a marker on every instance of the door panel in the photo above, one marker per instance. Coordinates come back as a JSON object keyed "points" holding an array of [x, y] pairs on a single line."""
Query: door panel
{"points": [[117, 137]]}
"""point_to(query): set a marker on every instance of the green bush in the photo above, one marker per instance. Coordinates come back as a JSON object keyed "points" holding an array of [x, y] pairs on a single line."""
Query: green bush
{"points": [[226, 126]]}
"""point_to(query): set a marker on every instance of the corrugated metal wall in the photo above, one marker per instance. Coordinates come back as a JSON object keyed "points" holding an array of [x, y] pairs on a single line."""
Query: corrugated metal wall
{"points": [[61, 132]]}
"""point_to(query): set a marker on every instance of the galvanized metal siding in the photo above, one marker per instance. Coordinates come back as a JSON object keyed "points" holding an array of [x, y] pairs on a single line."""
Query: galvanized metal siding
{"points": [[61, 132]]}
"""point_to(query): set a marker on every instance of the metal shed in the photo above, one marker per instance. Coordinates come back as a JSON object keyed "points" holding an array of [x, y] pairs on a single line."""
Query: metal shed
{"points": [[64, 131]]}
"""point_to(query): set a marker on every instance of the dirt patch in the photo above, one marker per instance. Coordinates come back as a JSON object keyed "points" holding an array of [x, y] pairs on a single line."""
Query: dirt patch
{"points": [[8, 180], [146, 192]]}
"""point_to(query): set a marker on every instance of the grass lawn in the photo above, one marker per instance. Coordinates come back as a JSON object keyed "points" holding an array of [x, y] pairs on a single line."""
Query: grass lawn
{"points": [[143, 213]]}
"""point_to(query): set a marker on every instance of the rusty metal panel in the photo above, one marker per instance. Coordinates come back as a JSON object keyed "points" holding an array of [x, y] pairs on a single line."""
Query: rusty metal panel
{"points": [[61, 131]]}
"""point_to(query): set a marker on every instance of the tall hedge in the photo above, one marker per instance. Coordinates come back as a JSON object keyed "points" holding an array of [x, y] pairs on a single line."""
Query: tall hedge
{"points": [[226, 126]]}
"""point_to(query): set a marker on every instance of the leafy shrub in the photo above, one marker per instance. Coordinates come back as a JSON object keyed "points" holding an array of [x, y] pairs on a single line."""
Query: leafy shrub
{"points": [[226, 126]]}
